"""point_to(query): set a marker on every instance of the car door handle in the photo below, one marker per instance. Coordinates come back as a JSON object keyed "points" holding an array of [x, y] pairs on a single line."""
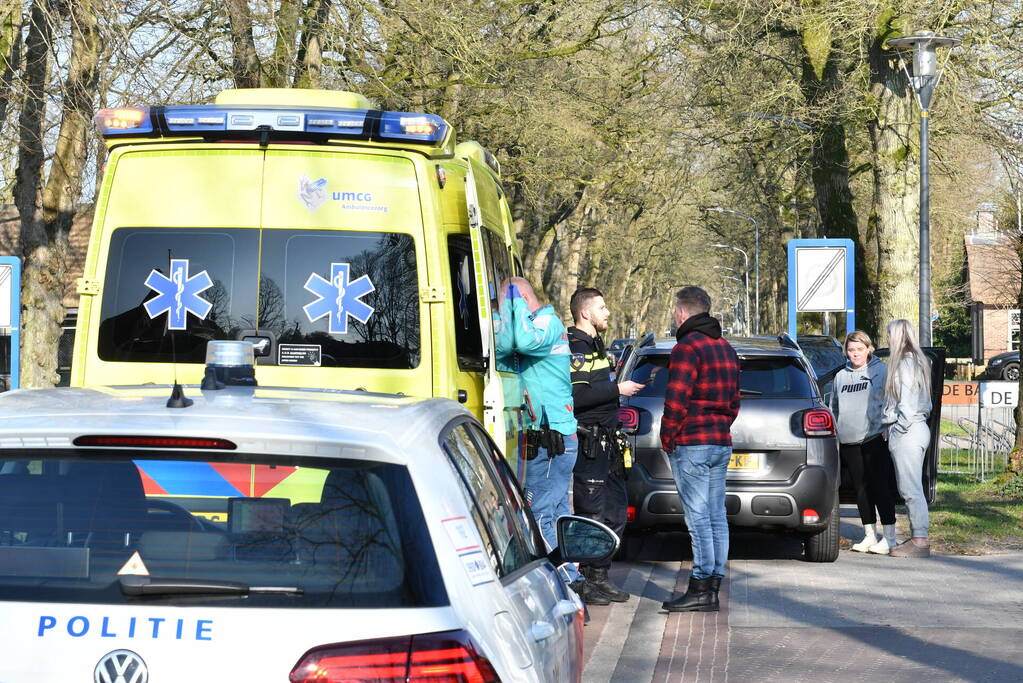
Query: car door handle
{"points": [[542, 630], [564, 608]]}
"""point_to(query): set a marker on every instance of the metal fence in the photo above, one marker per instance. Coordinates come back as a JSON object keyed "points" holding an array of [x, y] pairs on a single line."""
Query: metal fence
{"points": [[976, 440]]}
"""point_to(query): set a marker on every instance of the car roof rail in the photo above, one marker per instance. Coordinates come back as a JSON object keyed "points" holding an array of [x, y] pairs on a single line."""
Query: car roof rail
{"points": [[788, 342]]}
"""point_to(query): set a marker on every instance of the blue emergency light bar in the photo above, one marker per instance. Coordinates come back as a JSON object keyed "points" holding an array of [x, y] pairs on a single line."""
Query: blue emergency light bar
{"points": [[314, 122]]}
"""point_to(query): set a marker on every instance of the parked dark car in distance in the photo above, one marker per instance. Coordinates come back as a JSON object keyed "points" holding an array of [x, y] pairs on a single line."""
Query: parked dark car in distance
{"points": [[1004, 366], [824, 353]]}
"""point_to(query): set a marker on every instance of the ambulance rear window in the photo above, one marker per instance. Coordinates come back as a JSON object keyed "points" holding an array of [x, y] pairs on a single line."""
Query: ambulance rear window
{"points": [[329, 298], [82, 527]]}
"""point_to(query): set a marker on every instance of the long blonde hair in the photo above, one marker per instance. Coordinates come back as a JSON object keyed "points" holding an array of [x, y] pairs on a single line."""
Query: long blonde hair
{"points": [[902, 343]]}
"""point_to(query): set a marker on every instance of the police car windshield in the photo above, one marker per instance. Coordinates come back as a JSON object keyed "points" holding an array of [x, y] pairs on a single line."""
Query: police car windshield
{"points": [[324, 298], [280, 532]]}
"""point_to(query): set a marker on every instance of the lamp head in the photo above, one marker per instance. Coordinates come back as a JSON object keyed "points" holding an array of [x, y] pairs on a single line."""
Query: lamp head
{"points": [[924, 45]]}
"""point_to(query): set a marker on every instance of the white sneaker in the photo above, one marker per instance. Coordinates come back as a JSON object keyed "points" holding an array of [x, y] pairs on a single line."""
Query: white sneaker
{"points": [[865, 545], [879, 548]]}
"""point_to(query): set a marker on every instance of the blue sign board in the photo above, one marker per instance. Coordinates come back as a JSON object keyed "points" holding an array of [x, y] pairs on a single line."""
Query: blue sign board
{"points": [[10, 311], [822, 279]]}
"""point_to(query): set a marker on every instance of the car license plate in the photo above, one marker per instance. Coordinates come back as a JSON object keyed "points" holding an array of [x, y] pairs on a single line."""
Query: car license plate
{"points": [[744, 461]]}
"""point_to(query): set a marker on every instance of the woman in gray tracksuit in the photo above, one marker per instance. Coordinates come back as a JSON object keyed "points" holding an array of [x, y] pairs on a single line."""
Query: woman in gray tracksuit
{"points": [[907, 406], [857, 400]]}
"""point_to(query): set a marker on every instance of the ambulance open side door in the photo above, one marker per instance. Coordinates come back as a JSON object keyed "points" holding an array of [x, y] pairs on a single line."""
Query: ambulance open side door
{"points": [[493, 396]]}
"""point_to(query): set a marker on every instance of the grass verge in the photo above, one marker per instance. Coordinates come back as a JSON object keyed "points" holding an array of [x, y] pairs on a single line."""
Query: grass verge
{"points": [[975, 518]]}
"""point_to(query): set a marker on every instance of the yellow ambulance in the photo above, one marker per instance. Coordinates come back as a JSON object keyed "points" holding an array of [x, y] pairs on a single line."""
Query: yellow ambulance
{"points": [[356, 249]]}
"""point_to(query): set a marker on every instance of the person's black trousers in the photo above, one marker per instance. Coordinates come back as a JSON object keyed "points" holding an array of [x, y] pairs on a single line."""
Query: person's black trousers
{"points": [[870, 468], [599, 491]]}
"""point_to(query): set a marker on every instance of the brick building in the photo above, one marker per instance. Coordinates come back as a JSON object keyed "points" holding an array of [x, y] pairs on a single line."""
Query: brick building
{"points": [[993, 274]]}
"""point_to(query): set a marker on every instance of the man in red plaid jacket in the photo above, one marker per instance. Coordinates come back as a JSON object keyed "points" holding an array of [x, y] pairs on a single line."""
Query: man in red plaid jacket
{"points": [[700, 404]]}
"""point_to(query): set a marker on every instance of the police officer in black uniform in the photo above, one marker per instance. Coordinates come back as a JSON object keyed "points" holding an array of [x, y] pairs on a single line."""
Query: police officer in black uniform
{"points": [[599, 476]]}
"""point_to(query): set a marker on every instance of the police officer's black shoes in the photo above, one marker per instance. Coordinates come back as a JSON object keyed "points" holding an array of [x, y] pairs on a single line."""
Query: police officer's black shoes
{"points": [[597, 576], [699, 597], [589, 593]]}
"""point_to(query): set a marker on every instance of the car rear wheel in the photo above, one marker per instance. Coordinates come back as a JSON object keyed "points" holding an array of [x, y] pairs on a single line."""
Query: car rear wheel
{"points": [[1011, 372], [823, 545]]}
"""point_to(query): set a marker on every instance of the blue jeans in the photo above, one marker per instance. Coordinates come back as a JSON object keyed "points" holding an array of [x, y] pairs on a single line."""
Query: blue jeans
{"points": [[699, 473], [547, 482]]}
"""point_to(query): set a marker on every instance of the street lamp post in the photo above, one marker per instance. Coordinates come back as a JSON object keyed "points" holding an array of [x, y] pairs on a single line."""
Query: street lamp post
{"points": [[924, 80], [745, 256], [756, 258], [731, 277]]}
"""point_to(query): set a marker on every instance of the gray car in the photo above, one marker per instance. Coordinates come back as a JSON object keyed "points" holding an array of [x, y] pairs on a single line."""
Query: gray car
{"points": [[784, 473]]}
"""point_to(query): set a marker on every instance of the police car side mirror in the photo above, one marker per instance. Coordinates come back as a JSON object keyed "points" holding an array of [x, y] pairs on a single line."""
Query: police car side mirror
{"points": [[583, 540]]}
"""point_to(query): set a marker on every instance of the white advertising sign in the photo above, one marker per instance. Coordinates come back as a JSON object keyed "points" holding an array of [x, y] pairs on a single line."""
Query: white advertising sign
{"points": [[999, 394], [820, 279], [6, 283]]}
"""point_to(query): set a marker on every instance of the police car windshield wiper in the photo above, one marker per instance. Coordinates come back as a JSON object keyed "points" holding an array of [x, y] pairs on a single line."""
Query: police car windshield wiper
{"points": [[750, 392], [147, 585]]}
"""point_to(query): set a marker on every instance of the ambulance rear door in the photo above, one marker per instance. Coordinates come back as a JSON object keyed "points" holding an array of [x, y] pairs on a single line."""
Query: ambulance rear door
{"points": [[487, 283], [343, 262]]}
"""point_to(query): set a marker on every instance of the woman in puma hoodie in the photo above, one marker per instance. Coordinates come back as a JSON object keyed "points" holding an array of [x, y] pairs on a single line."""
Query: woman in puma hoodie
{"points": [[858, 404]]}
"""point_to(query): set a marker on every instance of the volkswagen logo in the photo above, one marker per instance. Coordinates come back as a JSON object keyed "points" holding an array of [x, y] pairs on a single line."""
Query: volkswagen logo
{"points": [[121, 666]]}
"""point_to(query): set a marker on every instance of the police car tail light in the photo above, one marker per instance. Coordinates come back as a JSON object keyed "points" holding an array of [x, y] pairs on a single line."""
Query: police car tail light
{"points": [[629, 417], [125, 121], [818, 423], [451, 656]]}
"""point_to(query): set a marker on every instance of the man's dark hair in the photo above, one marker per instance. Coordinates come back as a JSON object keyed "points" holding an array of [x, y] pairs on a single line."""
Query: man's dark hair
{"points": [[693, 300], [581, 299]]}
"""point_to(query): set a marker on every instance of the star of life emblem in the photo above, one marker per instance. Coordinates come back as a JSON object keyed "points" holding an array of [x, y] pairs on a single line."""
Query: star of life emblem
{"points": [[178, 295], [121, 666], [338, 298]]}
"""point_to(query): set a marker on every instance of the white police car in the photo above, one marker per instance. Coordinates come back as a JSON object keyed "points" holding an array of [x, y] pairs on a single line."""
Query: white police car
{"points": [[272, 535]]}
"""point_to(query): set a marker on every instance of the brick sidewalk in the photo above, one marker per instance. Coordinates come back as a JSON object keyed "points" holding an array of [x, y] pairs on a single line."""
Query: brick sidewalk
{"points": [[950, 618]]}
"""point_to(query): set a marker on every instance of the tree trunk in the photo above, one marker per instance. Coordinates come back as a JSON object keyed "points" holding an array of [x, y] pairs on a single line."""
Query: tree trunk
{"points": [[28, 177], [41, 285], [309, 73], [1015, 464], [284, 55], [246, 71], [821, 80], [63, 187], [10, 50], [892, 234]]}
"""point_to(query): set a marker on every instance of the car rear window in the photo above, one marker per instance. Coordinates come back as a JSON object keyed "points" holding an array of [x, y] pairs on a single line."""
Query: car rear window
{"points": [[341, 297], [763, 376], [75, 526]]}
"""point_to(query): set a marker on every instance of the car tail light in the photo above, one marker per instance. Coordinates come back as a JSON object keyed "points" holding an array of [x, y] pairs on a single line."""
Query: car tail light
{"points": [[817, 423], [810, 516], [629, 418], [155, 442], [448, 657], [630, 513]]}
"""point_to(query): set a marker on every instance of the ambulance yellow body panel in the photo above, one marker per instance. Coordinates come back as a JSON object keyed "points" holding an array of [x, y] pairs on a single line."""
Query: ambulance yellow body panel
{"points": [[344, 242]]}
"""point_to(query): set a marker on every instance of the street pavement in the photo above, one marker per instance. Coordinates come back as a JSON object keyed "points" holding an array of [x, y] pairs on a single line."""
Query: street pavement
{"points": [[862, 618]]}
